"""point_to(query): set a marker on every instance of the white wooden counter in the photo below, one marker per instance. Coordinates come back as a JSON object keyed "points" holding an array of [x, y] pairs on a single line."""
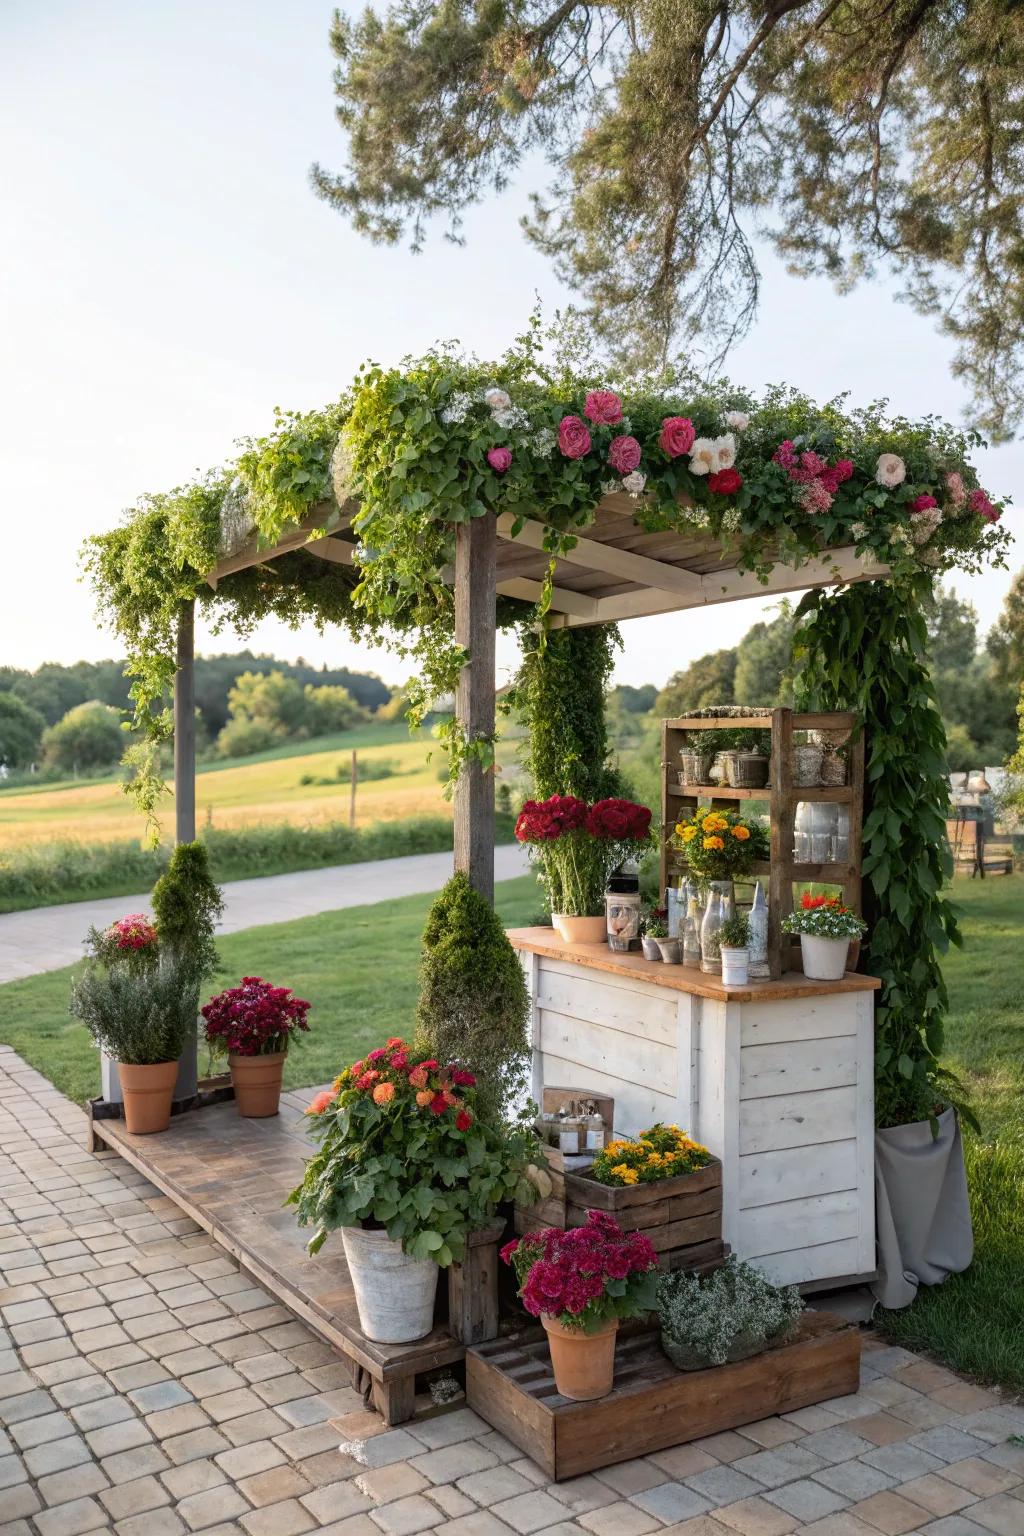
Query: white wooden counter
{"points": [[775, 1078]]}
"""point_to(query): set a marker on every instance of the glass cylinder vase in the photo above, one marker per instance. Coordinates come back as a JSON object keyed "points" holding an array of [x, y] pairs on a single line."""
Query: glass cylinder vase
{"points": [[720, 905]]}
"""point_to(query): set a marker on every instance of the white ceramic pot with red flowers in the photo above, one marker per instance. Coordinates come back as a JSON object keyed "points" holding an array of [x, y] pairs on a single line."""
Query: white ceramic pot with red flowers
{"points": [[406, 1170], [253, 1024], [576, 846], [581, 1283], [826, 928]]}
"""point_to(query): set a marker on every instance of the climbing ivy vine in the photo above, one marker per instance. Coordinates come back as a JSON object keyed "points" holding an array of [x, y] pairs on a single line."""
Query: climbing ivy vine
{"points": [[559, 694]]}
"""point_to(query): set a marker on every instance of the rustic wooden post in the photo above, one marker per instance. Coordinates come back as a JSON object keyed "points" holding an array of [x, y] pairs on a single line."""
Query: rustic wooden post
{"points": [[475, 620], [185, 728]]}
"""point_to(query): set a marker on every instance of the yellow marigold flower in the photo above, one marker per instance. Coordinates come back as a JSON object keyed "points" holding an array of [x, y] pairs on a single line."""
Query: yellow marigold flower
{"points": [[713, 842], [689, 833], [620, 1170], [741, 833], [383, 1093]]}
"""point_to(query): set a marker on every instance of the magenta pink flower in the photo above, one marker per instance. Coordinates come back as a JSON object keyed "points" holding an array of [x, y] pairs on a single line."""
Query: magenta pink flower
{"points": [[785, 455], [499, 459], [624, 454], [815, 497], [573, 437], [922, 503], [603, 408], [980, 505], [956, 488], [677, 436]]}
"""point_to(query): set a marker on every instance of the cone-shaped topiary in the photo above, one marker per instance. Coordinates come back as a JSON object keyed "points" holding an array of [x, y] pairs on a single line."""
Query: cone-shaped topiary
{"points": [[186, 905], [473, 1004]]}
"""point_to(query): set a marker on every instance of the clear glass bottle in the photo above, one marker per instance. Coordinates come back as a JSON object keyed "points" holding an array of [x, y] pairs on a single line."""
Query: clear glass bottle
{"points": [[594, 1130], [568, 1132], [758, 919], [691, 933], [710, 928]]}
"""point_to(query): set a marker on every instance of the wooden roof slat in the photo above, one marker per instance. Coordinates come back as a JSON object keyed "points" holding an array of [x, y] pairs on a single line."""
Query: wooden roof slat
{"points": [[594, 555]]}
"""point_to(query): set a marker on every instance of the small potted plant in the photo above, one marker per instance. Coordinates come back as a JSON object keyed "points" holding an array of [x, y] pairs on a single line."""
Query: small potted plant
{"points": [[255, 1023], [729, 1314], [734, 943], [826, 928], [407, 1169], [581, 1283], [652, 927], [576, 847], [137, 1005]]}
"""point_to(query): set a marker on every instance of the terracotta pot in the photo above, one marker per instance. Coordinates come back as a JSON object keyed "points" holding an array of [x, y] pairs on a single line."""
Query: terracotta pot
{"points": [[583, 1363], [580, 930], [257, 1083], [147, 1096]]}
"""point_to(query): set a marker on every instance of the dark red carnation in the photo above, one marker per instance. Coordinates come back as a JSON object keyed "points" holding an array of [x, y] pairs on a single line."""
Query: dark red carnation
{"points": [[725, 482]]}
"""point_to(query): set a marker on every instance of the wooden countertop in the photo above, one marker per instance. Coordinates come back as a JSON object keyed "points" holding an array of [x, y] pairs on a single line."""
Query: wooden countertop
{"points": [[684, 978]]}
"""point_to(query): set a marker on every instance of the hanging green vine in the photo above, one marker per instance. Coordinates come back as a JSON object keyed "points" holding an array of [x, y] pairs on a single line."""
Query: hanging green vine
{"points": [[559, 694], [865, 649], [422, 448]]}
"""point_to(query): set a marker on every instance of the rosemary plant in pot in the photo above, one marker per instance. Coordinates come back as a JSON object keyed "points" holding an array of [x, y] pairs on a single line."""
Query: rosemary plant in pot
{"points": [[407, 1169], [581, 1283], [576, 847], [255, 1024], [825, 927], [137, 1004]]}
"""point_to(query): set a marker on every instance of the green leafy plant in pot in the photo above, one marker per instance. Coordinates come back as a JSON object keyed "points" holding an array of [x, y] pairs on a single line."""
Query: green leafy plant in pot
{"points": [[137, 1003], [825, 927], [407, 1169], [255, 1023], [734, 942]]}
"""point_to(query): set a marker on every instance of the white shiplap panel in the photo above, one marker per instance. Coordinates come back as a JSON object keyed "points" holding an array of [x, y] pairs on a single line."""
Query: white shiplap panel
{"points": [[636, 1107], [812, 1018], [586, 997], [774, 1229], [798, 1067], [805, 1266], [644, 1062], [767, 1178], [798, 1120]]}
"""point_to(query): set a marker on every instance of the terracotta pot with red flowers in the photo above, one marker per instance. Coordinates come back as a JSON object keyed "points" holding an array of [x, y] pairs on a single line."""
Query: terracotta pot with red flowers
{"points": [[255, 1024], [576, 847], [581, 1284], [406, 1169]]}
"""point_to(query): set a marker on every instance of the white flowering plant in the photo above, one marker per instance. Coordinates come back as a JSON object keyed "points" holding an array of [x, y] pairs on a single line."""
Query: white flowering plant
{"points": [[729, 1314], [824, 917]]}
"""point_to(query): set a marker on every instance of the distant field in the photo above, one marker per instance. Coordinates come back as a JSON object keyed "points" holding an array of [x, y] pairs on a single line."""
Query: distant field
{"points": [[266, 788]]}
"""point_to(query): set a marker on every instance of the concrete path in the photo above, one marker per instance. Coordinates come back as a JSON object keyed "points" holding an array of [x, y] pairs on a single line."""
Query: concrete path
{"points": [[46, 938], [150, 1388]]}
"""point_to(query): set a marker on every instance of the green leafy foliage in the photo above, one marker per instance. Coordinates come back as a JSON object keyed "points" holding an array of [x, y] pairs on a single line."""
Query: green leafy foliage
{"points": [[186, 905], [87, 738], [865, 649], [473, 1003], [21, 731], [559, 695]]}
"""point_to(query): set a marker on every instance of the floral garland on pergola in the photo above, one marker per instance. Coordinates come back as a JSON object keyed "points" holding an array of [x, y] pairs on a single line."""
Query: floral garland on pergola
{"points": [[441, 440]]}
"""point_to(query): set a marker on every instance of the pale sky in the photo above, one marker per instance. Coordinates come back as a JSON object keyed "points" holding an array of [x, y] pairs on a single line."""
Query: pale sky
{"points": [[168, 278]]}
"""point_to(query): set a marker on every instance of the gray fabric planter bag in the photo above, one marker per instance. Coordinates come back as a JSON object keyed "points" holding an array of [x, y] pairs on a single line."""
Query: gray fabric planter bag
{"points": [[922, 1209]]}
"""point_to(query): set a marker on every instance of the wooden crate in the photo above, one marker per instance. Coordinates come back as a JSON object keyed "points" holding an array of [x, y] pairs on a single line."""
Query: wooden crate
{"points": [[550, 1212], [652, 1405], [676, 1214]]}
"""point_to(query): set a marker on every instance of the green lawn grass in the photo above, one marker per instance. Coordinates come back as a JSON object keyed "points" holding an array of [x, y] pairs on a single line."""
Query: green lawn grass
{"points": [[358, 968]]}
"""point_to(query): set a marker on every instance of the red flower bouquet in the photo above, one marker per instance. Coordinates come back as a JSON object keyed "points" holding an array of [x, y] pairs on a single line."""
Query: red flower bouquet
{"points": [[254, 1019], [577, 845], [586, 1276]]}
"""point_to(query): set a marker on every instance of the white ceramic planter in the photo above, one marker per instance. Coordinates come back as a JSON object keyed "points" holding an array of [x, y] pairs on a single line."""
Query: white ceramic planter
{"points": [[735, 963], [394, 1293], [580, 930], [824, 959]]}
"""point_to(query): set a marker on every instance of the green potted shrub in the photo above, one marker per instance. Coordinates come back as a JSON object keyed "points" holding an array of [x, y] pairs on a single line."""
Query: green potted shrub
{"points": [[734, 943], [136, 1002], [825, 927], [582, 1283], [255, 1023], [407, 1169], [728, 1314], [187, 904]]}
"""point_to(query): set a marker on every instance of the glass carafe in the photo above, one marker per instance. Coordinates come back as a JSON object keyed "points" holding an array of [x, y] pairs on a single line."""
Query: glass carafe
{"points": [[720, 902]]}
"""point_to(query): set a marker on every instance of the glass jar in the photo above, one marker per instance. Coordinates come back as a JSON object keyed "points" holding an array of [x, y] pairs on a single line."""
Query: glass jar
{"points": [[720, 899], [758, 918], [622, 909]]}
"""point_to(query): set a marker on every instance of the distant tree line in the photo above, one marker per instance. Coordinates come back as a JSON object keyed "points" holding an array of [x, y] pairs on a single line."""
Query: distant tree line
{"points": [[69, 718]]}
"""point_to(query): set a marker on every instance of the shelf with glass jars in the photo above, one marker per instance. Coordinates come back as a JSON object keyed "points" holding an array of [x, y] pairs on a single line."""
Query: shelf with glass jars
{"points": [[813, 822]]}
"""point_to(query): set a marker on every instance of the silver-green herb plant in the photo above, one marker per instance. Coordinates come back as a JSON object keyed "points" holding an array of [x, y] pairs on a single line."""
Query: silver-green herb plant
{"points": [[139, 1015], [726, 1315]]}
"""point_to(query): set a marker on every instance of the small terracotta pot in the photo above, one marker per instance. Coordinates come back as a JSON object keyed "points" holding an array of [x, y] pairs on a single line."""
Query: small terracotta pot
{"points": [[257, 1083], [147, 1096], [583, 1363], [580, 930]]}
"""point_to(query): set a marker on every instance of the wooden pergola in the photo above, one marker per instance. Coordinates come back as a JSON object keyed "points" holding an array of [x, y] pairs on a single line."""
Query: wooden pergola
{"points": [[617, 570]]}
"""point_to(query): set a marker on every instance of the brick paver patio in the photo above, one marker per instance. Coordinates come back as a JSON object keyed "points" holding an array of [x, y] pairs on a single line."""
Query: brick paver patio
{"points": [[149, 1387]]}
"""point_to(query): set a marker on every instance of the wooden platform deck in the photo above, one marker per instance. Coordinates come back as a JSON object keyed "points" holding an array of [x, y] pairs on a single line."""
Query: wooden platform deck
{"points": [[232, 1176]]}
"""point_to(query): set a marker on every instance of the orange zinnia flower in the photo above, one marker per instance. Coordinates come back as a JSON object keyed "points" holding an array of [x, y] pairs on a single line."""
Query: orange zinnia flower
{"points": [[320, 1103], [418, 1078], [383, 1093], [741, 833], [424, 1098], [713, 842]]}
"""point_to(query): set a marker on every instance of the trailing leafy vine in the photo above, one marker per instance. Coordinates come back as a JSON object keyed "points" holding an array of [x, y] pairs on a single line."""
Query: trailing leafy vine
{"points": [[559, 694], [865, 649]]}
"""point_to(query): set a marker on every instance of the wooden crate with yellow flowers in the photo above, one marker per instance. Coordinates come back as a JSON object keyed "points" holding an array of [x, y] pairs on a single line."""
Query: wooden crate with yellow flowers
{"points": [[661, 1183]]}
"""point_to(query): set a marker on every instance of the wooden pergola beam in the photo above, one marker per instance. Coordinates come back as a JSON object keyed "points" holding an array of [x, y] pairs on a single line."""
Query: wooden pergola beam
{"points": [[594, 556], [256, 551]]}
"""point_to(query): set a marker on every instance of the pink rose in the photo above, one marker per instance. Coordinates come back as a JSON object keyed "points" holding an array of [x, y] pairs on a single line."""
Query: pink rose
{"points": [[499, 459], [980, 504], [922, 503], [573, 437], [603, 408], [677, 436], [624, 454]]}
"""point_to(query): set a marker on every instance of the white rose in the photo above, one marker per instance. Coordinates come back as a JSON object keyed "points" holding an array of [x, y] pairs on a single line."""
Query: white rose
{"points": [[738, 420], [634, 483], [703, 456], [725, 447], [890, 470], [496, 400]]}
